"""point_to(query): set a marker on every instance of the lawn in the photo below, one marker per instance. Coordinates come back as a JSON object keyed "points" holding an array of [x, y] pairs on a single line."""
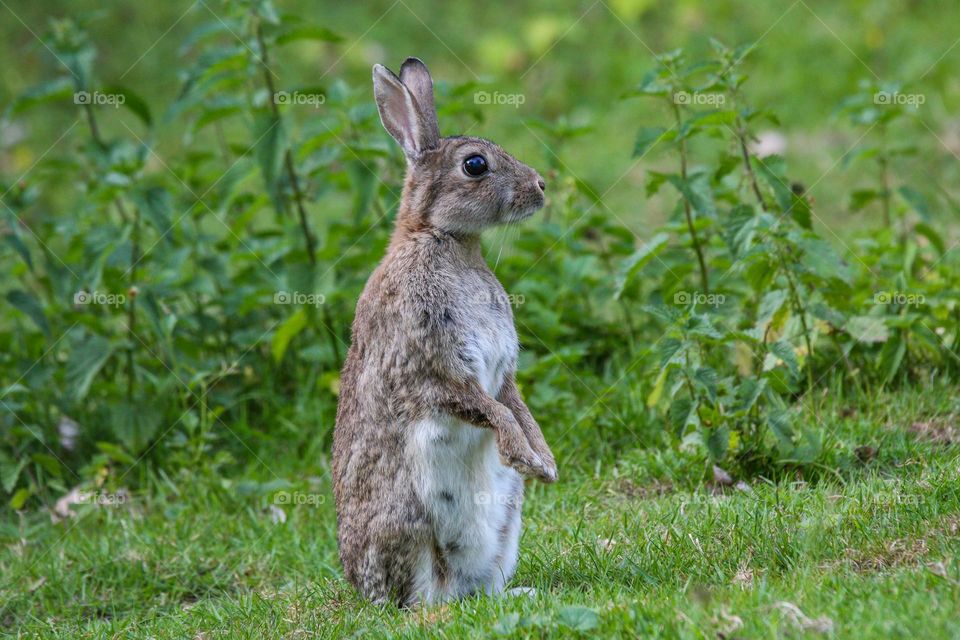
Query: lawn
{"points": [[640, 546]]}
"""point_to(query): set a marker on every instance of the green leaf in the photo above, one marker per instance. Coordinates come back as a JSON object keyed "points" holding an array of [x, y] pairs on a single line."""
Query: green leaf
{"points": [[50, 464], [740, 228], [657, 391], [638, 260], [115, 453], [157, 206], [696, 190], [932, 235], [10, 471], [286, 332], [19, 499], [682, 412], [85, 363], [137, 105], [891, 357], [579, 618], [772, 309], [916, 200], [867, 329], [269, 150], [648, 137], [706, 378], [58, 89], [135, 424], [784, 351], [670, 350], [718, 442], [748, 393], [820, 258], [31, 307], [861, 198]]}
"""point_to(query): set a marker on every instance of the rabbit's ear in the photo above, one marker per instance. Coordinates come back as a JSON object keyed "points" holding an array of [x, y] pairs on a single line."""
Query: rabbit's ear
{"points": [[416, 77], [401, 115]]}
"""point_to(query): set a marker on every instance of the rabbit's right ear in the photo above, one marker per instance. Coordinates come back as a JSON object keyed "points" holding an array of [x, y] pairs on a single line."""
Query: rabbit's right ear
{"points": [[411, 122]]}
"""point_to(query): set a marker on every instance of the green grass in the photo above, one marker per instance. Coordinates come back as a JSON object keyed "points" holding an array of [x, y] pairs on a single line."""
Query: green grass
{"points": [[640, 547]]}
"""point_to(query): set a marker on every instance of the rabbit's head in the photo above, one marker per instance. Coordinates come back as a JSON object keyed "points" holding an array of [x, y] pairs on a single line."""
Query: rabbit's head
{"points": [[457, 184]]}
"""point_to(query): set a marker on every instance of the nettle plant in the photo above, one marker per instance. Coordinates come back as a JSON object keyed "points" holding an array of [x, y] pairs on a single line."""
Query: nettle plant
{"points": [[771, 309], [161, 293]]}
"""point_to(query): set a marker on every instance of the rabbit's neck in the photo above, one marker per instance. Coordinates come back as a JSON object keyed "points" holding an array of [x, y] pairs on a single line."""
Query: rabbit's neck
{"points": [[437, 240]]}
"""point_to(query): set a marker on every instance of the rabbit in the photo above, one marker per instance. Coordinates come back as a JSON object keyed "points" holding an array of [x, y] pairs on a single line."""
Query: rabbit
{"points": [[432, 438]]}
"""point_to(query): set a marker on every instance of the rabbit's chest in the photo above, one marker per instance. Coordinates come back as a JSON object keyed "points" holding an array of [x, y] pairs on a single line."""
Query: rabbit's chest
{"points": [[489, 338]]}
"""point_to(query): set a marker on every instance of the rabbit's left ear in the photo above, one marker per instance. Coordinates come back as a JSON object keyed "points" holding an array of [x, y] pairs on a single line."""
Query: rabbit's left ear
{"points": [[406, 106]]}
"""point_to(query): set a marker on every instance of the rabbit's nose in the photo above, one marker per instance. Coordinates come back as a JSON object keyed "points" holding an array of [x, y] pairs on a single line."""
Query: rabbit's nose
{"points": [[541, 184]]}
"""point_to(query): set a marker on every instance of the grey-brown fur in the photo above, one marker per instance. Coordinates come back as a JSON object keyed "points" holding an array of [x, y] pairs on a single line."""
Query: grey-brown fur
{"points": [[414, 377]]}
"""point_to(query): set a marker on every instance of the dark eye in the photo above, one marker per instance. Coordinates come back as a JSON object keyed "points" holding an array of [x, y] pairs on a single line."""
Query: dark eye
{"points": [[475, 165]]}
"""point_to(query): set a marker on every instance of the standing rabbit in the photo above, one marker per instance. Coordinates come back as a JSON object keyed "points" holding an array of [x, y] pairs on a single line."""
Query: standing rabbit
{"points": [[432, 438]]}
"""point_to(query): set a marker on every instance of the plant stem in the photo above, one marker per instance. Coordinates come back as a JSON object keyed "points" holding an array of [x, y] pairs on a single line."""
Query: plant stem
{"points": [[287, 155], [134, 257], [885, 178], [132, 302], [704, 278], [295, 185]]}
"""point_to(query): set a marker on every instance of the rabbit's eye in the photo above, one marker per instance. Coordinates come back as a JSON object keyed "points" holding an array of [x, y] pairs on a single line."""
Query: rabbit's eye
{"points": [[475, 166]]}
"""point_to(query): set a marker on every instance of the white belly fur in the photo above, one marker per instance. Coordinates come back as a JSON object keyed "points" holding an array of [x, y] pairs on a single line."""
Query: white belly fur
{"points": [[474, 504], [472, 499]]}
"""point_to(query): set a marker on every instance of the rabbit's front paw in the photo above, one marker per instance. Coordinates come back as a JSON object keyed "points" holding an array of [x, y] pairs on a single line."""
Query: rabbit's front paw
{"points": [[516, 453]]}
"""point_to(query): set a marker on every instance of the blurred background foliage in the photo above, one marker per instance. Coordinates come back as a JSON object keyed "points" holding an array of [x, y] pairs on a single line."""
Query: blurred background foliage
{"points": [[205, 206]]}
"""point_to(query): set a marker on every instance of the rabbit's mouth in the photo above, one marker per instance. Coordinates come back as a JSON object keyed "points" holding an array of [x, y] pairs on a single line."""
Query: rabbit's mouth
{"points": [[524, 209]]}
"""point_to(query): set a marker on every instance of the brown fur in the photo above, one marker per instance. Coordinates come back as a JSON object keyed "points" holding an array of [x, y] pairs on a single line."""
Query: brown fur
{"points": [[408, 359]]}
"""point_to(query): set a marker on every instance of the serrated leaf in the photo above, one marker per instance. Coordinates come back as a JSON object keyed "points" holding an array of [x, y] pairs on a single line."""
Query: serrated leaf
{"points": [[85, 363], [680, 413], [784, 351], [670, 350], [748, 393], [718, 442], [772, 307], [696, 190], [706, 378]]}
